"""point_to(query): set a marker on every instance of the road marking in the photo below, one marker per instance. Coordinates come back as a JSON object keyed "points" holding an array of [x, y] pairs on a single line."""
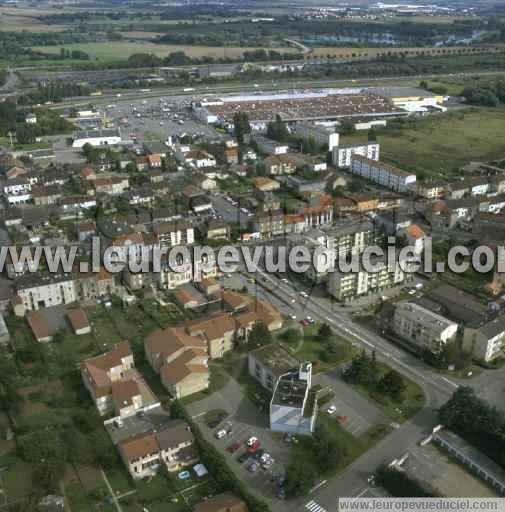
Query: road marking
{"points": [[315, 507], [450, 382], [361, 493], [198, 415]]}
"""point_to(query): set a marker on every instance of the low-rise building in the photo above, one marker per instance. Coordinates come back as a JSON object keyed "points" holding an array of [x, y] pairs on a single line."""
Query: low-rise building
{"points": [[100, 372], [323, 135], [422, 327], [270, 147]]}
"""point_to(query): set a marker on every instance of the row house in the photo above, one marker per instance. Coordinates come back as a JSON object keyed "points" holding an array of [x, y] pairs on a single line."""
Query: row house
{"points": [[46, 195]]}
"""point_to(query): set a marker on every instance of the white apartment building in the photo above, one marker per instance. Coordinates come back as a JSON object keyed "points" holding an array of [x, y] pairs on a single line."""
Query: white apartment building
{"points": [[486, 340], [422, 327], [342, 155], [321, 134], [345, 286], [42, 291], [170, 234], [383, 174]]}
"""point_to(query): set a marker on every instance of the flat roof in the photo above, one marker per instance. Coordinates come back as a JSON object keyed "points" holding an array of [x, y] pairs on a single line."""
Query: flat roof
{"points": [[290, 391], [275, 358]]}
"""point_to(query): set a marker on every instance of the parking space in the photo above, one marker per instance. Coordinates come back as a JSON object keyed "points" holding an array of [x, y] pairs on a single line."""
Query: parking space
{"points": [[348, 417], [372, 492]]}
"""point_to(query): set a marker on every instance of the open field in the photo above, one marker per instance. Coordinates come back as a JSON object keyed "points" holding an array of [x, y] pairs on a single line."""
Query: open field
{"points": [[440, 145], [107, 52]]}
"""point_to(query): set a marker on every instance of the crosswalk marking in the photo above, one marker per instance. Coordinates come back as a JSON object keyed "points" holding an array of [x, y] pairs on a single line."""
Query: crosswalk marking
{"points": [[315, 507]]}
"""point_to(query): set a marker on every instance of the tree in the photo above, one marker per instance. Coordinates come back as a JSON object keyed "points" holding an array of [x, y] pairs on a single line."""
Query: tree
{"points": [[346, 127], [392, 384], [291, 335], [259, 335], [277, 130], [241, 126], [362, 370], [324, 333], [300, 479]]}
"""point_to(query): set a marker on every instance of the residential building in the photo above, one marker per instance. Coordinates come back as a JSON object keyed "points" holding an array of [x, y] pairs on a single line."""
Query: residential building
{"points": [[171, 276], [176, 444], [79, 321], [141, 455], [44, 290], [217, 330], [323, 135], [276, 165], [485, 339], [342, 155], [345, 286], [383, 174], [266, 184], [422, 327], [180, 359], [170, 234], [269, 223], [231, 155], [126, 397], [39, 326], [197, 158], [269, 146], [111, 185], [100, 372]]}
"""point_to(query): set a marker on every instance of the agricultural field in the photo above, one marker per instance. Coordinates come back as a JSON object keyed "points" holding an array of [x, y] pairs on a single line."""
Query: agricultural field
{"points": [[440, 145], [113, 51]]}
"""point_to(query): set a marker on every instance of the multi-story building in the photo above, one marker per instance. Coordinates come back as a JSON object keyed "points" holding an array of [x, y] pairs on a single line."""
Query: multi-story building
{"points": [[170, 234], [218, 331], [293, 408], [383, 174], [141, 455], [349, 285], [485, 339], [422, 327], [44, 290], [175, 274], [323, 135], [342, 155], [100, 373], [175, 441]]}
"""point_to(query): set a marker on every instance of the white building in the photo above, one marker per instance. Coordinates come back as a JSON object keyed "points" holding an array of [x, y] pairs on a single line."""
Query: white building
{"points": [[422, 327], [486, 340], [104, 137], [17, 190], [321, 134], [383, 174], [349, 285], [342, 155], [45, 290], [31, 119]]}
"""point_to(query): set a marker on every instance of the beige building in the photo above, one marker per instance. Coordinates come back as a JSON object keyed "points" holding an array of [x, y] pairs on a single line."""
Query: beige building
{"points": [[179, 359], [99, 373], [218, 331], [486, 339], [420, 326], [175, 441], [141, 455]]}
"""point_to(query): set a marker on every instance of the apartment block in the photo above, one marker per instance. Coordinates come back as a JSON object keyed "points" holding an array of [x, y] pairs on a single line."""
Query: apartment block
{"points": [[420, 326], [486, 339], [382, 174], [342, 155]]}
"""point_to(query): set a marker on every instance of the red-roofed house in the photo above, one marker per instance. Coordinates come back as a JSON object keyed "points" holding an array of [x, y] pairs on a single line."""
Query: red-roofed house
{"points": [[79, 321], [39, 327]]}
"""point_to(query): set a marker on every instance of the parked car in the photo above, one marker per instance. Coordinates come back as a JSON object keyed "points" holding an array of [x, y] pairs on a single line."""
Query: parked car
{"points": [[251, 441], [243, 457], [220, 434], [254, 447], [331, 410], [304, 322], [253, 467], [259, 454]]}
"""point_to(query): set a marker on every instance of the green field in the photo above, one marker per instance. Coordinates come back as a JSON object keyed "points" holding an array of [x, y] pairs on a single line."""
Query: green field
{"points": [[439, 145], [109, 52]]}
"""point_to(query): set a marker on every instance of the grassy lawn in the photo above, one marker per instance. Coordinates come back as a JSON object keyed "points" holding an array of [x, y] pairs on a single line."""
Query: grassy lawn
{"points": [[113, 51], [439, 145], [349, 447], [412, 402], [310, 348]]}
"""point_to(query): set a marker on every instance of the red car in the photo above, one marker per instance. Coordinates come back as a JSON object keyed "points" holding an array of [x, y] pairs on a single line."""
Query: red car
{"points": [[304, 322], [233, 447], [254, 447]]}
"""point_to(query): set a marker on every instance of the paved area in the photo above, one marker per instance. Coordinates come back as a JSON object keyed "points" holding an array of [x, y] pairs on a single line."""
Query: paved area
{"points": [[245, 421]]}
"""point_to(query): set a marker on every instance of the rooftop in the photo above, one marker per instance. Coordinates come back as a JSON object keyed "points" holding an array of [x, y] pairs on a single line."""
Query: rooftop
{"points": [[275, 358]]}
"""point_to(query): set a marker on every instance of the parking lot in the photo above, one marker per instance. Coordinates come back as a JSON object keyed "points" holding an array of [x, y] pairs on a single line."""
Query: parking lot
{"points": [[246, 421], [348, 402]]}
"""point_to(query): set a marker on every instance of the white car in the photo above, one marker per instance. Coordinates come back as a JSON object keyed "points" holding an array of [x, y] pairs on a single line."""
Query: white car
{"points": [[412, 292], [220, 434], [304, 294], [293, 317], [284, 280], [331, 410], [251, 441]]}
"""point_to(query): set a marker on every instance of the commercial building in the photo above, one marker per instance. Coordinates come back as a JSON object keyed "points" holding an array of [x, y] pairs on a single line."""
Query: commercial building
{"points": [[103, 137], [412, 99], [422, 327], [267, 364], [293, 408], [383, 174], [486, 338], [342, 155]]}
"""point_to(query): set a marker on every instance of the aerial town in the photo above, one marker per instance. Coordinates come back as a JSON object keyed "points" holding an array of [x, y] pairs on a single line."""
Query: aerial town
{"points": [[184, 385]]}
